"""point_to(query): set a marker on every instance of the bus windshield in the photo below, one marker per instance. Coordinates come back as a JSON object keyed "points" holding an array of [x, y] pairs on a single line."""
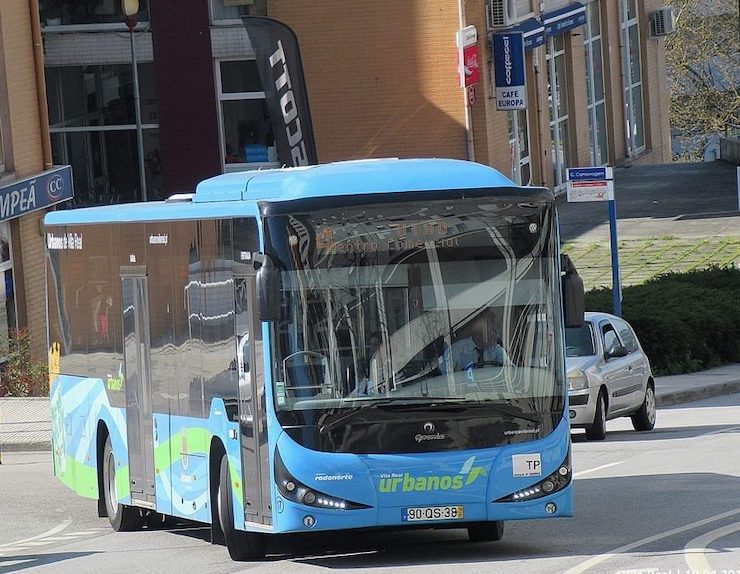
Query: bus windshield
{"points": [[417, 305]]}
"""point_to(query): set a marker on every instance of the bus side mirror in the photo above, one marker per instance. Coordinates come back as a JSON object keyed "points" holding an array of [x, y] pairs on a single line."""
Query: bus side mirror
{"points": [[268, 290], [574, 296]]}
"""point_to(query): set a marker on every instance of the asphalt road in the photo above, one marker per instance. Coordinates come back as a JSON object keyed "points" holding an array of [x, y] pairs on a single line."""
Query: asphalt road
{"points": [[658, 502]]}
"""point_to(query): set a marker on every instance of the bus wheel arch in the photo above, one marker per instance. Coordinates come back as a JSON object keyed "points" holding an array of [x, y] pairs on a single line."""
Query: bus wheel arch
{"points": [[216, 452], [122, 517], [241, 545], [101, 437]]}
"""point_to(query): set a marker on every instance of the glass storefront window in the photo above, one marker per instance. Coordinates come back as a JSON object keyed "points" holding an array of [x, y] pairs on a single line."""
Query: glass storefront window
{"points": [[558, 105], [234, 9], [77, 12], [632, 78], [93, 129], [246, 132], [596, 101], [7, 290]]}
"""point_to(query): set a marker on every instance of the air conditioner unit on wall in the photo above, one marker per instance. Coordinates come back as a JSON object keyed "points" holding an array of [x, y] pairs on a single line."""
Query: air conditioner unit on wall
{"points": [[500, 13], [664, 22]]}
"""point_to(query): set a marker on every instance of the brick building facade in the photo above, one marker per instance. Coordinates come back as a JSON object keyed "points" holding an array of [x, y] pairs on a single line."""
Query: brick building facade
{"points": [[381, 83]]}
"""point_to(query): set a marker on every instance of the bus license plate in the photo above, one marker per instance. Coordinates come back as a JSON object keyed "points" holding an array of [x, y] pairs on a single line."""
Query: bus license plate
{"points": [[422, 513]]}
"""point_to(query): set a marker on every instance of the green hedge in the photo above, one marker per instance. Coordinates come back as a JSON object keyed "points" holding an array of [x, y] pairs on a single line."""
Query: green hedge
{"points": [[686, 322]]}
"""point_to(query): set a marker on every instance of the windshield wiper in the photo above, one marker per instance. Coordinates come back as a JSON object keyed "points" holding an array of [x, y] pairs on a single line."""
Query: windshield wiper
{"points": [[399, 402], [507, 408]]}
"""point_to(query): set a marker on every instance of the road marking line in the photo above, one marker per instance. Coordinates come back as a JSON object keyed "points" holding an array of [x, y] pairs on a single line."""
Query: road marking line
{"points": [[51, 532], [696, 549], [598, 559], [590, 470], [39, 542], [720, 431], [73, 534]]}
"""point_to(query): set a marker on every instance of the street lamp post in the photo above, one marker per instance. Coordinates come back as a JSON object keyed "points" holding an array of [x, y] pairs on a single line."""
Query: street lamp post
{"points": [[131, 12]]}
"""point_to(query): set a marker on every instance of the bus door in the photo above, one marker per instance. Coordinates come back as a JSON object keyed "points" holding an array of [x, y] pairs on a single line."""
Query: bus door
{"points": [[136, 360], [252, 414]]}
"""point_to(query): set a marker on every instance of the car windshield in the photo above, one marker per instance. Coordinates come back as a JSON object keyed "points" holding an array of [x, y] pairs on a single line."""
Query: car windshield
{"points": [[579, 341], [445, 301]]}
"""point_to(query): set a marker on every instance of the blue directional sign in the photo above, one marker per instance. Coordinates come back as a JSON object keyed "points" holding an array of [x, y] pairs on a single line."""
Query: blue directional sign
{"points": [[42, 190], [590, 184], [508, 62], [586, 173]]}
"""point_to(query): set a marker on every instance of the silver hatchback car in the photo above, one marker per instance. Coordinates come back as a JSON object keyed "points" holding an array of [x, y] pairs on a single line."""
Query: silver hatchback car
{"points": [[609, 376]]}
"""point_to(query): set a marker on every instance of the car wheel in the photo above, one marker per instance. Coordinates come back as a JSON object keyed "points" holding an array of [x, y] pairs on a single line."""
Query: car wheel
{"points": [[486, 531], [597, 430], [240, 544], [644, 418]]}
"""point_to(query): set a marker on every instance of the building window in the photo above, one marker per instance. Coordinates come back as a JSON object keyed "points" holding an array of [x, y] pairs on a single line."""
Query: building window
{"points": [[77, 12], [7, 288], [230, 11], [519, 147], [632, 73], [557, 97], [595, 85], [93, 129], [246, 133]]}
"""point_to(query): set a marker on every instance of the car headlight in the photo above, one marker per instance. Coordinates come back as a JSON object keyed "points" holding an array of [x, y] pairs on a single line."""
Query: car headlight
{"points": [[577, 380]]}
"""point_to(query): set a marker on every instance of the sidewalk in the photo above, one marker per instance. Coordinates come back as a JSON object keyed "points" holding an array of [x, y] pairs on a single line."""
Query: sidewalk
{"points": [[676, 389], [671, 390]]}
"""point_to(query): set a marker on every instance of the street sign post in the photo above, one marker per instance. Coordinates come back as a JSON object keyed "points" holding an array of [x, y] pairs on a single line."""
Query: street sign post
{"points": [[597, 184]]}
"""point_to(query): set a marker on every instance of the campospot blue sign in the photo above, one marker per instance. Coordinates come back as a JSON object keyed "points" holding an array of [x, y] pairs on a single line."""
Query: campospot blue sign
{"points": [[508, 62], [27, 195]]}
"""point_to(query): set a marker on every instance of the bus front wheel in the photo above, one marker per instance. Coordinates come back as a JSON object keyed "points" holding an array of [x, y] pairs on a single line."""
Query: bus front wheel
{"points": [[486, 531], [241, 545], [121, 517]]}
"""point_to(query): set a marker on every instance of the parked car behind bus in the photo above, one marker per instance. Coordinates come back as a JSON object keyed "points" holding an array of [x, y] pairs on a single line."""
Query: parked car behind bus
{"points": [[609, 376]]}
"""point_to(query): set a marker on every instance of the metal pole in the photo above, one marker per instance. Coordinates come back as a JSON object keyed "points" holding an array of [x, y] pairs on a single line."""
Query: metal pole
{"points": [[137, 110], [616, 284]]}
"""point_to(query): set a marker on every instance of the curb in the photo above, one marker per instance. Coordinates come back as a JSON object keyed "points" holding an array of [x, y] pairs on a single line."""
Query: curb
{"points": [[25, 447], [678, 397]]}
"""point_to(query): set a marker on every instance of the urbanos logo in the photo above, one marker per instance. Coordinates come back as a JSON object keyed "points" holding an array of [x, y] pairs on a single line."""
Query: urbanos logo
{"points": [[390, 483]]}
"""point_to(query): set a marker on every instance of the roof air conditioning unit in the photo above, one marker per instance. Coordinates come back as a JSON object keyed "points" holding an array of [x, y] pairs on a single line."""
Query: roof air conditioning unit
{"points": [[500, 13], [664, 22]]}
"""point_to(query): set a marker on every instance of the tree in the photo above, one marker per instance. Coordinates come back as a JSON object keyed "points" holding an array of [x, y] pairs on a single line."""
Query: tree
{"points": [[703, 66]]}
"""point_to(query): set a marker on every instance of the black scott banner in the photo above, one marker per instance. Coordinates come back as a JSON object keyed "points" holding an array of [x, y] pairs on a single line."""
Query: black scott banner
{"points": [[281, 72]]}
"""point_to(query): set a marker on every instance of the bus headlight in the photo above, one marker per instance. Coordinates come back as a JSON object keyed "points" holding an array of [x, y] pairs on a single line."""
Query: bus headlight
{"points": [[577, 380], [555, 482], [297, 492]]}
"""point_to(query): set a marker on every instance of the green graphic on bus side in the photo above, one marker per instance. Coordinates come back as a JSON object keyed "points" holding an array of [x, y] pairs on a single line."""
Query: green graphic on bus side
{"points": [[407, 483]]}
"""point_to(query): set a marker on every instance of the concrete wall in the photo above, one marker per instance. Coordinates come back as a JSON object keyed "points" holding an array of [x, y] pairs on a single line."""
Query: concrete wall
{"points": [[25, 423]]}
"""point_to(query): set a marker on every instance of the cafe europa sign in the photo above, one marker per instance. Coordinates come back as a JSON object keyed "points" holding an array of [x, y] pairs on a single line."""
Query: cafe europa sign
{"points": [[27, 195]]}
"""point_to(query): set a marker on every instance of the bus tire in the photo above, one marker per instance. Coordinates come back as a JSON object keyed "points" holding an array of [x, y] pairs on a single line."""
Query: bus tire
{"points": [[122, 518], [486, 531], [241, 545], [597, 430]]}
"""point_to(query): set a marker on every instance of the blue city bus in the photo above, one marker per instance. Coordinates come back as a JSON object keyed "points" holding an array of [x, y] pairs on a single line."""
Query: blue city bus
{"points": [[291, 350]]}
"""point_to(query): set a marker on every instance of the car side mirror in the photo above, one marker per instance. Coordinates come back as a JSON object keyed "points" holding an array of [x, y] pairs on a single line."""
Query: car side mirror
{"points": [[616, 351]]}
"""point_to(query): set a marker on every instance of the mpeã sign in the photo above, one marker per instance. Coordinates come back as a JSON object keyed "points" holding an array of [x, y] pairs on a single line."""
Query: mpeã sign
{"points": [[27, 195]]}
